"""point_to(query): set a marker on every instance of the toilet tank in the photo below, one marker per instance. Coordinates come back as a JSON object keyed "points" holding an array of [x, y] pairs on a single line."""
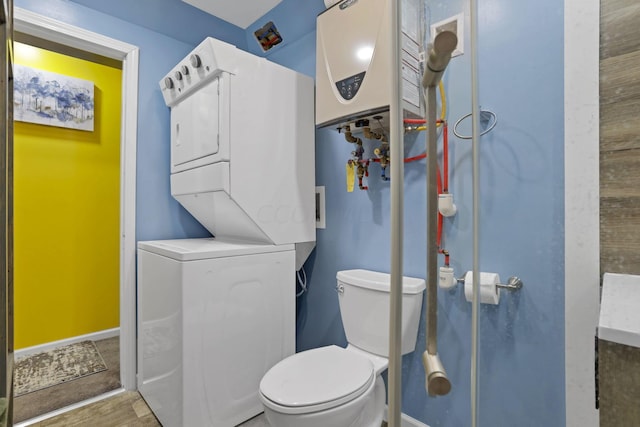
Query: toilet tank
{"points": [[364, 306]]}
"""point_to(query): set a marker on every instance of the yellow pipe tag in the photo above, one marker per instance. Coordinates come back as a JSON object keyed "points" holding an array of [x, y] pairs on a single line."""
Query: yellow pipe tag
{"points": [[351, 176]]}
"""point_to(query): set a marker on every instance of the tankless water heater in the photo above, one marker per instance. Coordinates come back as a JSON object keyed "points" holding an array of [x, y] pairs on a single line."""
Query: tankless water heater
{"points": [[354, 63]]}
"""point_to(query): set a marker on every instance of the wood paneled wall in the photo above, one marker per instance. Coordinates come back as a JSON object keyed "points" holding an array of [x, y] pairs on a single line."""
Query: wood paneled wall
{"points": [[620, 136]]}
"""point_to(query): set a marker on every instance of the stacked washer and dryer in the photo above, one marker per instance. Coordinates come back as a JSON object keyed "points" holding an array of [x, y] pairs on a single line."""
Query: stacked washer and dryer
{"points": [[214, 315]]}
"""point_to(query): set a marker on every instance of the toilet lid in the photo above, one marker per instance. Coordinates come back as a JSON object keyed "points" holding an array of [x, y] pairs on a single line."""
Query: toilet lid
{"points": [[318, 377]]}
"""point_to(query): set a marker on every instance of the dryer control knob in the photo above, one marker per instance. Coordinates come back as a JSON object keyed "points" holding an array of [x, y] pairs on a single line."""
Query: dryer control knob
{"points": [[195, 61], [178, 75], [168, 82], [185, 70]]}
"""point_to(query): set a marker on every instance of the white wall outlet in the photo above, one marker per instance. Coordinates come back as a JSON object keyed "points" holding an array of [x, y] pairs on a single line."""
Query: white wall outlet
{"points": [[455, 24], [320, 208]]}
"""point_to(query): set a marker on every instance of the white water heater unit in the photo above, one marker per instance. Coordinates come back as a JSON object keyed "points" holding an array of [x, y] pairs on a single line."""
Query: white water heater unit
{"points": [[354, 58]]}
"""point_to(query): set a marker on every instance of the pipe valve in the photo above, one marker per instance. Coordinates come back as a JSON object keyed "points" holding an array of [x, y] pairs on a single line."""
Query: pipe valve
{"points": [[445, 205]]}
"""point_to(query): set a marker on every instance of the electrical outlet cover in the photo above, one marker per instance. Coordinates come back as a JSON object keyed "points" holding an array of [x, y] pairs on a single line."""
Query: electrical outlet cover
{"points": [[455, 24]]}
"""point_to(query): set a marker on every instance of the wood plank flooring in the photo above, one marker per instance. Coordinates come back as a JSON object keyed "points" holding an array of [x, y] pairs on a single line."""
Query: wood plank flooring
{"points": [[49, 399], [127, 409]]}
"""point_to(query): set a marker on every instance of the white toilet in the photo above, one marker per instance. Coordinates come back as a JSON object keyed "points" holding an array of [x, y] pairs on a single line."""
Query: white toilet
{"points": [[338, 387]]}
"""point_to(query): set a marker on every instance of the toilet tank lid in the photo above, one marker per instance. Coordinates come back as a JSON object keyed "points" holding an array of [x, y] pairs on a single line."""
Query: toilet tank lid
{"points": [[379, 281]]}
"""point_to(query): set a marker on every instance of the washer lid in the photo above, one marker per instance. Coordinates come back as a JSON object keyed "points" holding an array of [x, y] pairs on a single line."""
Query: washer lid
{"points": [[318, 376], [207, 248]]}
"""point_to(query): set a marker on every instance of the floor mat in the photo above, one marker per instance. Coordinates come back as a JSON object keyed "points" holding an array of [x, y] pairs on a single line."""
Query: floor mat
{"points": [[62, 364]]}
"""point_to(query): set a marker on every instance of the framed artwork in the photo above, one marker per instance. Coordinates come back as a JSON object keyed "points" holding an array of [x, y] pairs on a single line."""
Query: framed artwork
{"points": [[51, 99]]}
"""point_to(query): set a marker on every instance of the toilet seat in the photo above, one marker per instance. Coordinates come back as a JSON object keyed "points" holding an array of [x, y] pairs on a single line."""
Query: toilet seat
{"points": [[316, 380]]}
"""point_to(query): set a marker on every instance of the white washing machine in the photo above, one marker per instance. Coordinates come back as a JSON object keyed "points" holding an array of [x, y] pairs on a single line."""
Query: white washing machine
{"points": [[213, 317]]}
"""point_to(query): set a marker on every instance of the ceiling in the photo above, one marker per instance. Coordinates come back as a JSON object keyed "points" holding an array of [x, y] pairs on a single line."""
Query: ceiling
{"points": [[238, 12]]}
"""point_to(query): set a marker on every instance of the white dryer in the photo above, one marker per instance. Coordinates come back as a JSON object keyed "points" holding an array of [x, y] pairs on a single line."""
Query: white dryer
{"points": [[213, 317]]}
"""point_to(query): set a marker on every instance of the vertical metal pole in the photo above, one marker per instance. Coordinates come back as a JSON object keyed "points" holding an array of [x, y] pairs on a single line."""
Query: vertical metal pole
{"points": [[397, 212], [475, 312], [432, 223]]}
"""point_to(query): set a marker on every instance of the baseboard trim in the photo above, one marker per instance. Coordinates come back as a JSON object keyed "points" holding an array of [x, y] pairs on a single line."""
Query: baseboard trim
{"points": [[95, 336], [406, 420]]}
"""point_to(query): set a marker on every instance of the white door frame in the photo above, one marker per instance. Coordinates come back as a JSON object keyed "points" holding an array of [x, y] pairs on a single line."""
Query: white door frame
{"points": [[59, 32], [582, 206]]}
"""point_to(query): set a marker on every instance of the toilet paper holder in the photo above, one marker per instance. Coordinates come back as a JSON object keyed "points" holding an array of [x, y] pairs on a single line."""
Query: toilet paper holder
{"points": [[514, 283]]}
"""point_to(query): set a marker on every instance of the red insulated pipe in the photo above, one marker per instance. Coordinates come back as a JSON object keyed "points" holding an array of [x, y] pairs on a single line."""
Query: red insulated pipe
{"points": [[414, 158], [445, 156], [415, 121], [407, 159], [442, 183], [418, 121]]}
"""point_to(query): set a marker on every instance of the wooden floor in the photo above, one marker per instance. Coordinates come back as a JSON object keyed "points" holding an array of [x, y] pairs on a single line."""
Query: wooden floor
{"points": [[40, 402], [126, 409]]}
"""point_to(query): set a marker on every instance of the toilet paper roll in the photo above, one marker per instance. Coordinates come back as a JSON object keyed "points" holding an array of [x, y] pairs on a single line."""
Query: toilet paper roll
{"points": [[489, 291]]}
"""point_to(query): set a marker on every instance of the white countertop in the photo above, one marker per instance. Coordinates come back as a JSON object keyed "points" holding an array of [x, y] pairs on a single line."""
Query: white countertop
{"points": [[620, 309]]}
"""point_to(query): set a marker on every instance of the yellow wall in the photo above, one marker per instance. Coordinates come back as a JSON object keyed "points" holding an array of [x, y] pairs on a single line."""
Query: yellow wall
{"points": [[67, 210]]}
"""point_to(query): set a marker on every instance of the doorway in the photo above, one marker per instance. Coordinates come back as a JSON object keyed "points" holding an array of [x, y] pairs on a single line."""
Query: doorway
{"points": [[34, 25], [66, 225]]}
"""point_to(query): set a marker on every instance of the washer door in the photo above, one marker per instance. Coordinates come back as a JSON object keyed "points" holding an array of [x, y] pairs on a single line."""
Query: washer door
{"points": [[316, 380]]}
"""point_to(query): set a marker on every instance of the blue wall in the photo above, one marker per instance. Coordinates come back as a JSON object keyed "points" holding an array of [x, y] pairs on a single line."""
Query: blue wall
{"points": [[522, 217], [173, 18], [158, 215], [522, 193]]}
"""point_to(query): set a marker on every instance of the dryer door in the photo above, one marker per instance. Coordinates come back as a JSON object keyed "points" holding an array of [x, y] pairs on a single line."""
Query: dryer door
{"points": [[195, 128]]}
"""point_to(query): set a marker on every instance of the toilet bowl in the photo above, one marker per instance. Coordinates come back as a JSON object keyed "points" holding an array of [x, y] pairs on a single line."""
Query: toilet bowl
{"points": [[343, 387], [327, 386]]}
